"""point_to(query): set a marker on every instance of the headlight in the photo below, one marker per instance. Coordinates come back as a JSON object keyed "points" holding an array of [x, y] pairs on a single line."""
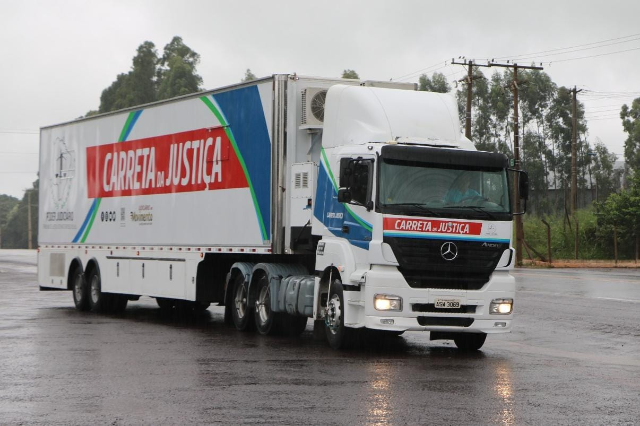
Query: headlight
{"points": [[501, 306], [386, 302]]}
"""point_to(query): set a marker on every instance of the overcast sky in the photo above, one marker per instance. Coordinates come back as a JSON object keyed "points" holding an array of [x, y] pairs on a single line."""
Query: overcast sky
{"points": [[58, 56]]}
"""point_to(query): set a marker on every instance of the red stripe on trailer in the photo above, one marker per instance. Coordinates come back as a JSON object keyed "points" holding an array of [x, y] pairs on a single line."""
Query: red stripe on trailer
{"points": [[196, 160]]}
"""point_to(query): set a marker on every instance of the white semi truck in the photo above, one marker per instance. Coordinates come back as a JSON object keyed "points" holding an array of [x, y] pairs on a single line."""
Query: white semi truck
{"points": [[356, 203]]}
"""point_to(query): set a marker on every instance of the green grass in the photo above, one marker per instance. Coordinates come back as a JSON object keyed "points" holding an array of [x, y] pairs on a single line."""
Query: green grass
{"points": [[594, 243]]}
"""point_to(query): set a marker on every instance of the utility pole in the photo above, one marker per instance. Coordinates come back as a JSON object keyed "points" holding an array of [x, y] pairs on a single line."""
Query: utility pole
{"points": [[574, 149], [516, 136], [469, 81], [29, 243], [516, 151]]}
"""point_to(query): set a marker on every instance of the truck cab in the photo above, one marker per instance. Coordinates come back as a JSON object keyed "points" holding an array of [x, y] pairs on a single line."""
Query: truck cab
{"points": [[415, 225]]}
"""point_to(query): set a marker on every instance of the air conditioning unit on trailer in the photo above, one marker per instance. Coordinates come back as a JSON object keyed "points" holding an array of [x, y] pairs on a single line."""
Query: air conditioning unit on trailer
{"points": [[313, 100]]}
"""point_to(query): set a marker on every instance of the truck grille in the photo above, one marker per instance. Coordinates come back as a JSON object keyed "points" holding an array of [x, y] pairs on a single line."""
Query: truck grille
{"points": [[430, 308], [422, 265], [445, 321]]}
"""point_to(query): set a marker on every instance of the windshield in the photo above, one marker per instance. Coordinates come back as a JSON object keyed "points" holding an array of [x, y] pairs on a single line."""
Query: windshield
{"points": [[443, 190]]}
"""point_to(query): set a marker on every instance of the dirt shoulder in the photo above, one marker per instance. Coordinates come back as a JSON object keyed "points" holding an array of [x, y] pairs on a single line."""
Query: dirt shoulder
{"points": [[572, 263]]}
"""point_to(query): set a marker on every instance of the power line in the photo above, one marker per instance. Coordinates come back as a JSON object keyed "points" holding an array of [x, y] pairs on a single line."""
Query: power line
{"points": [[611, 91], [598, 107], [604, 118], [570, 47], [531, 56], [421, 71], [20, 132], [547, 53], [19, 153], [595, 56]]}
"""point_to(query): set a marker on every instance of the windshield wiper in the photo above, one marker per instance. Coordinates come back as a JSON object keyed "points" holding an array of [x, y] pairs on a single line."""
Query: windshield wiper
{"points": [[419, 205], [475, 208]]}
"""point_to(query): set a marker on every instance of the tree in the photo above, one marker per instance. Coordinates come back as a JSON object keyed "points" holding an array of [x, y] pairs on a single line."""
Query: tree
{"points": [[152, 78], [177, 71], [136, 87], [622, 211], [7, 205], [631, 125], [559, 120], [14, 231], [437, 83], [607, 180], [536, 94], [350, 74], [248, 76], [142, 86], [109, 97]]}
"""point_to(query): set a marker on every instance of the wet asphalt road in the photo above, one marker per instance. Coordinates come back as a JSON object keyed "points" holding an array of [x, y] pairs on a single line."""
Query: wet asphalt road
{"points": [[573, 358]]}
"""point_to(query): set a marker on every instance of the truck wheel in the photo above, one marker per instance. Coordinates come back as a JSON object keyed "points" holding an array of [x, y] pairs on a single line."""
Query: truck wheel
{"points": [[100, 302], [470, 341], [337, 334], [240, 312], [80, 291], [266, 320]]}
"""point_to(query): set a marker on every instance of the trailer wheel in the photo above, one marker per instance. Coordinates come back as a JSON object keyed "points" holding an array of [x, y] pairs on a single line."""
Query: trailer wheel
{"points": [[80, 290], [337, 334], [470, 341], [100, 302], [240, 312], [266, 320]]}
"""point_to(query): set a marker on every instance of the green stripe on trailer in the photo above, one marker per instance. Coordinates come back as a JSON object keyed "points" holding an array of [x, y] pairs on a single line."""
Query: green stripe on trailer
{"points": [[229, 133]]}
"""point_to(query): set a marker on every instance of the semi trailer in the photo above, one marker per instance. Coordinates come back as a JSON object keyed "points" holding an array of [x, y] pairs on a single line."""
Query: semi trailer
{"points": [[358, 204]]}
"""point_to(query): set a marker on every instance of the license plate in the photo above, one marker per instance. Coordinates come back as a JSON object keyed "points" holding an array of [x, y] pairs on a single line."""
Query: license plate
{"points": [[447, 303]]}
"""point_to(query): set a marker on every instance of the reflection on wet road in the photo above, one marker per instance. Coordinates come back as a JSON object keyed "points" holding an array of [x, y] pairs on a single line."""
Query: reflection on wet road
{"points": [[573, 358]]}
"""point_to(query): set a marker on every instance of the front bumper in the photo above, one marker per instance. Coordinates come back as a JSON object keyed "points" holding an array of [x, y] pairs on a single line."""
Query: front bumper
{"points": [[388, 280]]}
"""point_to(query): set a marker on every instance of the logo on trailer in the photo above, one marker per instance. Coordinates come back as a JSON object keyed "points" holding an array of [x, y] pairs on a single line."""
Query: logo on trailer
{"points": [[195, 160], [449, 251]]}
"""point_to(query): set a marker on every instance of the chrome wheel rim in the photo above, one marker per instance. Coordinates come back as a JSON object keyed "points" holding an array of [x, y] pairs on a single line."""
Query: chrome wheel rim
{"points": [[334, 313], [241, 300], [263, 306], [95, 289], [77, 287]]}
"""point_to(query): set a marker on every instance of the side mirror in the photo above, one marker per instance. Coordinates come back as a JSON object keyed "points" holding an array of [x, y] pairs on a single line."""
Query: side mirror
{"points": [[523, 189], [356, 181], [344, 195], [523, 185], [346, 172]]}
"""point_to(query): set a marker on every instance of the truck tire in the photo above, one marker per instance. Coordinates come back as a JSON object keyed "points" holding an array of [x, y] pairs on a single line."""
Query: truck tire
{"points": [[470, 341], [267, 321], [100, 302], [80, 290], [337, 334], [240, 311]]}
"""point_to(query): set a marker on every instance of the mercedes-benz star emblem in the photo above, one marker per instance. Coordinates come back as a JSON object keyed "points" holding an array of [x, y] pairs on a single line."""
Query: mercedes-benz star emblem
{"points": [[449, 251]]}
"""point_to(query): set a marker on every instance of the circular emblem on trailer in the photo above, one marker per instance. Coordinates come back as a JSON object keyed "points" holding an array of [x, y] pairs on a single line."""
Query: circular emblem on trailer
{"points": [[449, 251]]}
